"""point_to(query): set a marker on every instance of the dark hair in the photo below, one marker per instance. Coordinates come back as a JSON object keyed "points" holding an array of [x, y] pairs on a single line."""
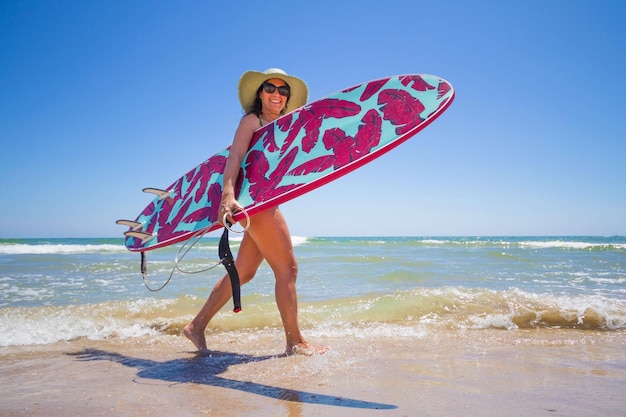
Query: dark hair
{"points": [[257, 106]]}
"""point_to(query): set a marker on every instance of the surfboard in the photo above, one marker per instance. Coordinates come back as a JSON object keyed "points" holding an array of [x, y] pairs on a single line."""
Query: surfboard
{"points": [[296, 153]]}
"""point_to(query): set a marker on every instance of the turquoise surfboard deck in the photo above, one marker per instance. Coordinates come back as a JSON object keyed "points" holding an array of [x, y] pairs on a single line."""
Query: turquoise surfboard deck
{"points": [[296, 153]]}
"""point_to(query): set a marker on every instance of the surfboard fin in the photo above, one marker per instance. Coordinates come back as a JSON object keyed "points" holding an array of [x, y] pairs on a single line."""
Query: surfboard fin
{"points": [[130, 223], [162, 194], [145, 237]]}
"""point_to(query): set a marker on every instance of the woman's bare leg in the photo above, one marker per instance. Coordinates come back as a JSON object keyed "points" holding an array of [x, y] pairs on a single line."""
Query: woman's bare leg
{"points": [[248, 260], [271, 234]]}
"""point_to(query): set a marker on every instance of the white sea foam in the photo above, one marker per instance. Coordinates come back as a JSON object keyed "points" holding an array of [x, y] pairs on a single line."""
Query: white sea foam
{"points": [[46, 325], [545, 310], [412, 314], [570, 244], [611, 281], [299, 240], [41, 249], [435, 241]]}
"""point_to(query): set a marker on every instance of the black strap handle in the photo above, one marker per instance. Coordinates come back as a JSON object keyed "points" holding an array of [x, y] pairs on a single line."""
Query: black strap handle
{"points": [[226, 257]]}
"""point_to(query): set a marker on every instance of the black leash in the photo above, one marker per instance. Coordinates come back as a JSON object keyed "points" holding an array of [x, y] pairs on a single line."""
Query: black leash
{"points": [[226, 258]]}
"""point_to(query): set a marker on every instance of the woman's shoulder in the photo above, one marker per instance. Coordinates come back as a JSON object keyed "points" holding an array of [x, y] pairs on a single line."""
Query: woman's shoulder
{"points": [[250, 120], [247, 125]]}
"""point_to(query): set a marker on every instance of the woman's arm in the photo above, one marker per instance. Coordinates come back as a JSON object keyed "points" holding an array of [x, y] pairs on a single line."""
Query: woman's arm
{"points": [[241, 142]]}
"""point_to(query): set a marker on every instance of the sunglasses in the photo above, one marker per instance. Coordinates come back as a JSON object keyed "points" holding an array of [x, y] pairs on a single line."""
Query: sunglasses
{"points": [[283, 90]]}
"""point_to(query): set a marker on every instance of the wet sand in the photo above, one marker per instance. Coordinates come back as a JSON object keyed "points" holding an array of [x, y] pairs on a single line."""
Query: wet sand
{"points": [[470, 373]]}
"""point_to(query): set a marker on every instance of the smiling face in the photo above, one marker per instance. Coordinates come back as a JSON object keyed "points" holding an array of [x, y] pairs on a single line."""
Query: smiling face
{"points": [[274, 102]]}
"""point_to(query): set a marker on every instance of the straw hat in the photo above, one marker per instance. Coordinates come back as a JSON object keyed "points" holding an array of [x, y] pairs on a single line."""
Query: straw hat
{"points": [[252, 80]]}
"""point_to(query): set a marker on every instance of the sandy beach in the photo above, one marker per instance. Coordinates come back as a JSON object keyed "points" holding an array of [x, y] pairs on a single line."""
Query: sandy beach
{"points": [[483, 373]]}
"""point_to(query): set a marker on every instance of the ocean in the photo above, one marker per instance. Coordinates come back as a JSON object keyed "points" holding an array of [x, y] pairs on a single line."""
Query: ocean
{"points": [[63, 290]]}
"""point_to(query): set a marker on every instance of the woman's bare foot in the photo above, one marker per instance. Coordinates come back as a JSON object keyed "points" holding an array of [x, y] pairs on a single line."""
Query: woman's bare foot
{"points": [[306, 349], [197, 338]]}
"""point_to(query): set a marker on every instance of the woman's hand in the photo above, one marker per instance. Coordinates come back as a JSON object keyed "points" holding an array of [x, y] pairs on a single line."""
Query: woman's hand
{"points": [[228, 207]]}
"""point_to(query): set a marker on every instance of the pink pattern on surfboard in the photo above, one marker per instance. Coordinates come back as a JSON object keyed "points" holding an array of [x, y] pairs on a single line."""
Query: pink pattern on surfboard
{"points": [[372, 88], [419, 84], [345, 149], [311, 118], [401, 109], [443, 89], [213, 199], [264, 185]]}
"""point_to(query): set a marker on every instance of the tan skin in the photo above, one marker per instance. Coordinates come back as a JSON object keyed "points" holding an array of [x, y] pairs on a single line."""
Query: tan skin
{"points": [[267, 238]]}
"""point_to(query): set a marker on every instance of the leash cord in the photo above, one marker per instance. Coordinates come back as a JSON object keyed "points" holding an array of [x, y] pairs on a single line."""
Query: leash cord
{"points": [[225, 255]]}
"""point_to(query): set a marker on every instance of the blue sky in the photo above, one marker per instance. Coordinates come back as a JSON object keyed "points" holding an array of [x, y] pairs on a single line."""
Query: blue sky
{"points": [[102, 98]]}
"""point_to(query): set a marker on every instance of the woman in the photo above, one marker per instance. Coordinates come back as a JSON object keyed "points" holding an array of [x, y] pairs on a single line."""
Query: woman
{"points": [[264, 97]]}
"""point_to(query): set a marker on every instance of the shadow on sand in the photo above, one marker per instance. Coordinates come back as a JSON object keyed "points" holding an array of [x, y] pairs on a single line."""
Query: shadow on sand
{"points": [[204, 369]]}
